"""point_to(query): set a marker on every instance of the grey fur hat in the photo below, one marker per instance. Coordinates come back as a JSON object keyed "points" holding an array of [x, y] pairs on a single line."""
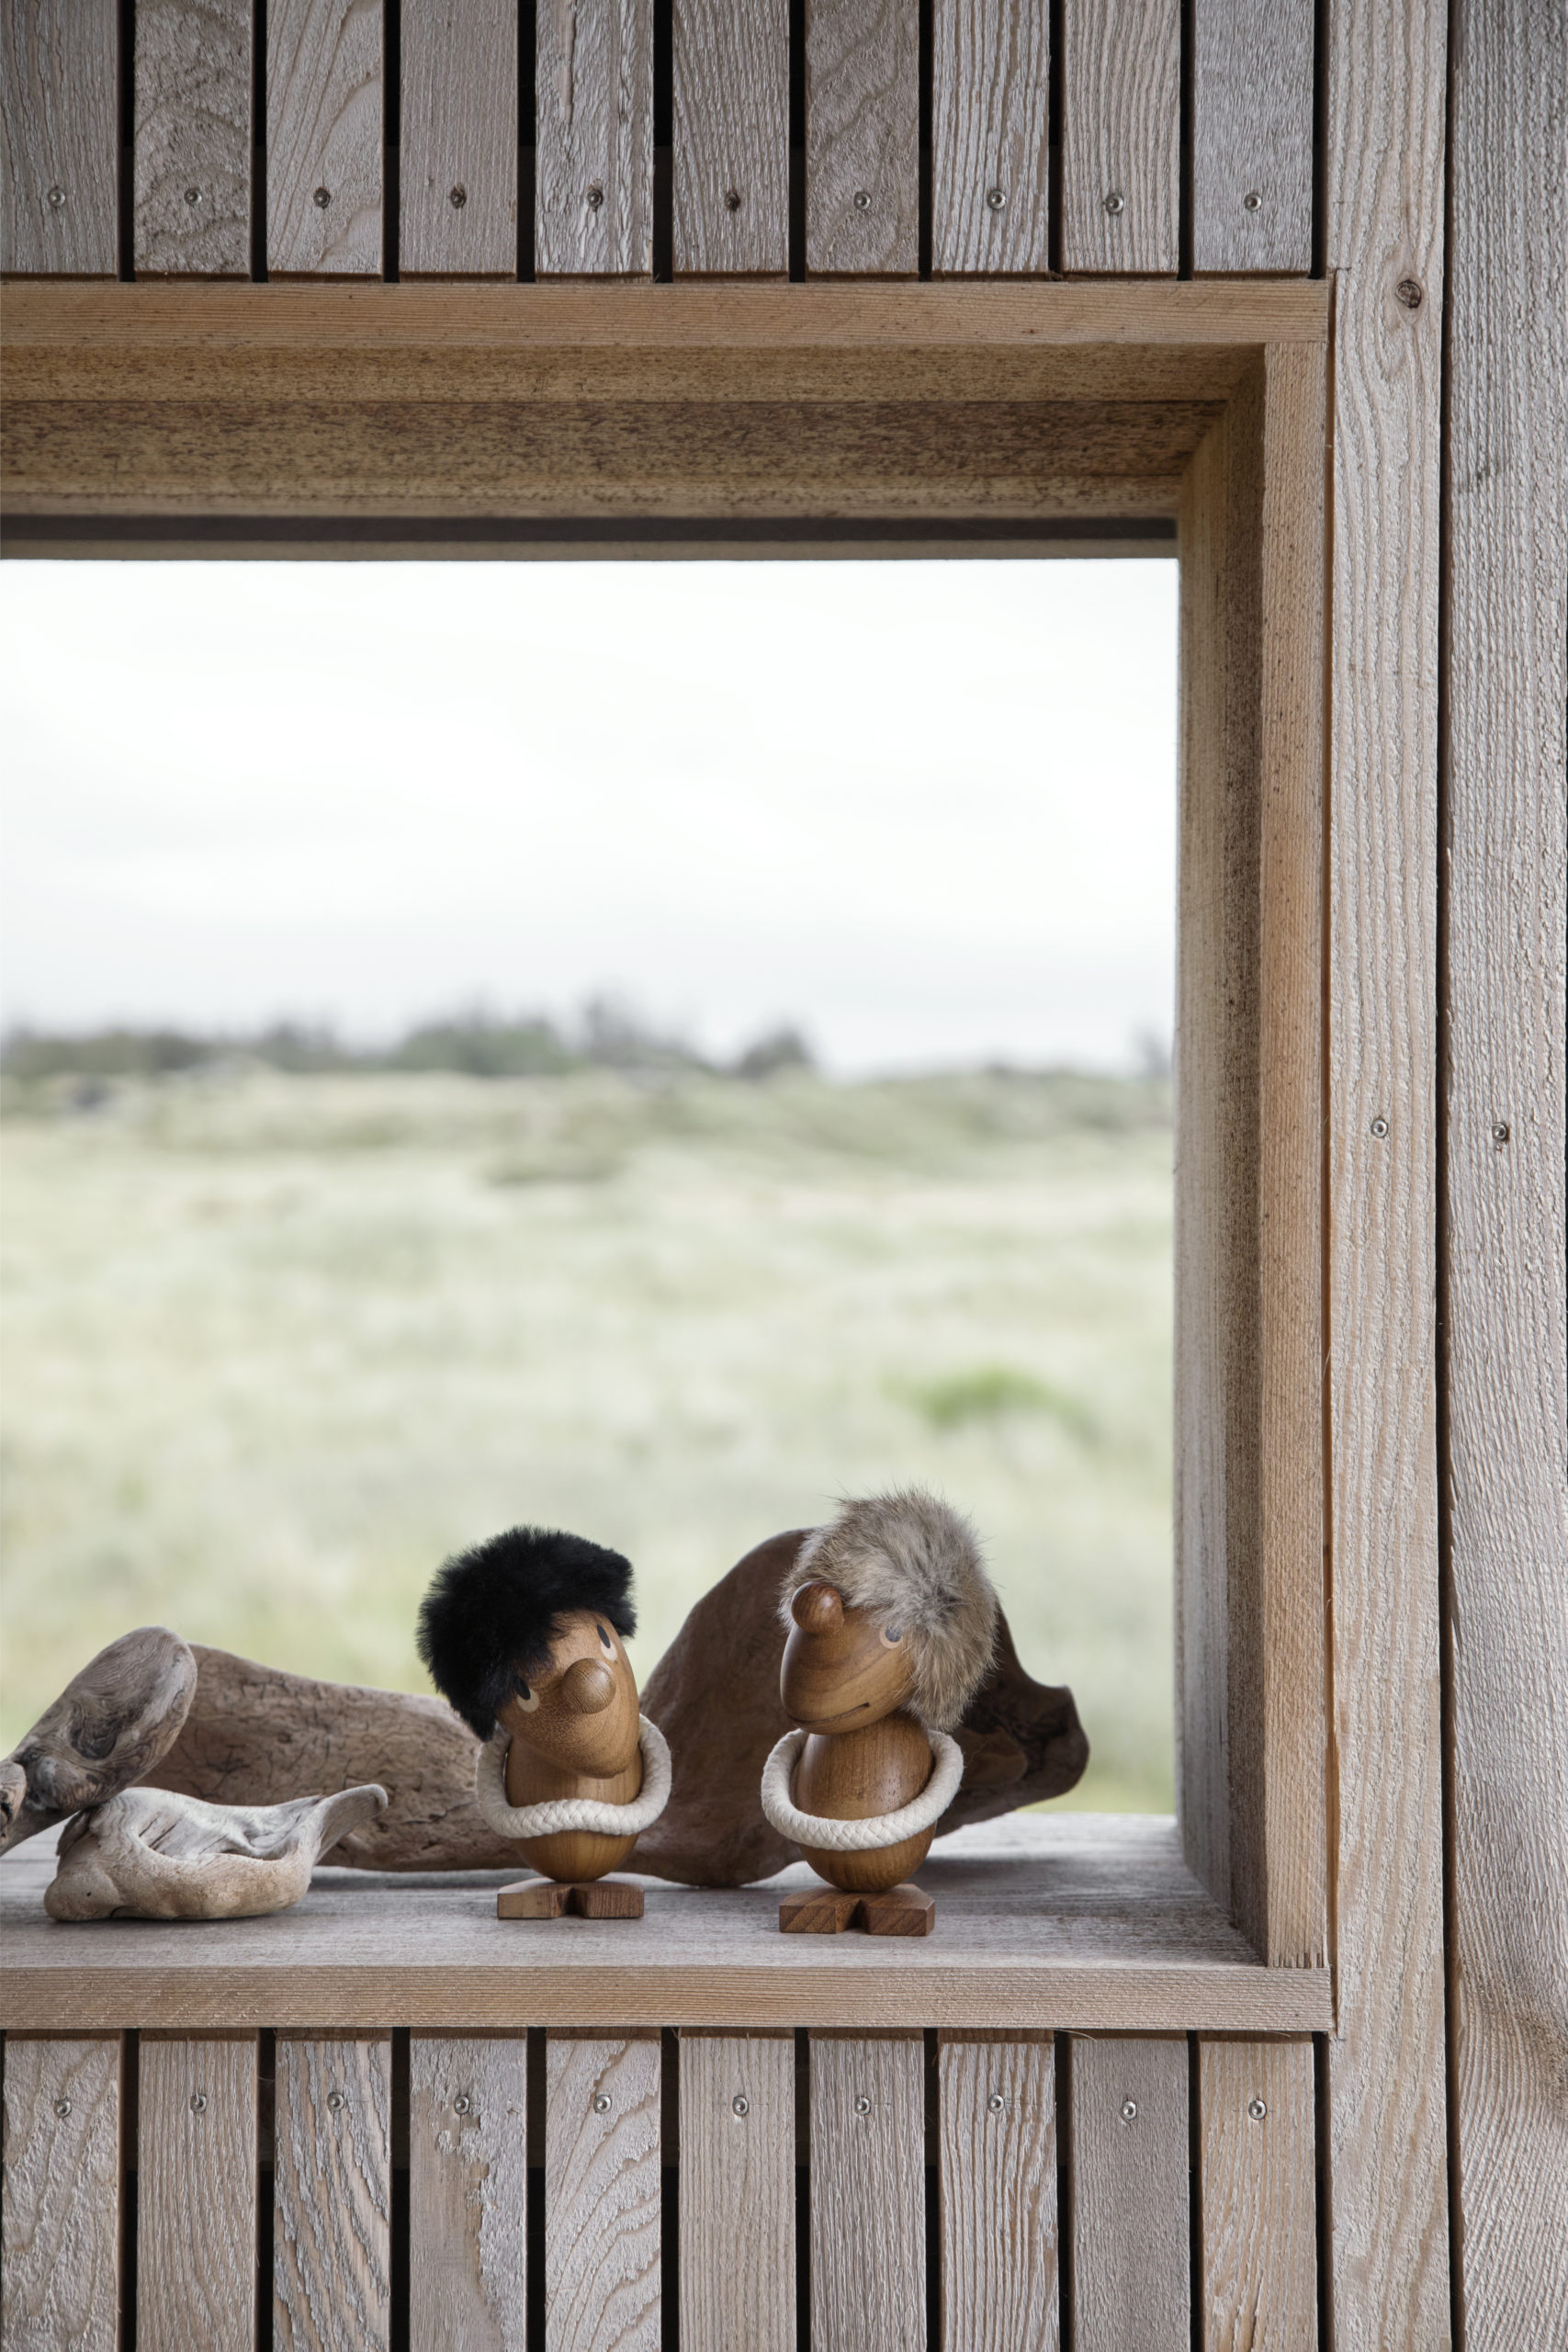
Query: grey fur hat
{"points": [[915, 1562]]}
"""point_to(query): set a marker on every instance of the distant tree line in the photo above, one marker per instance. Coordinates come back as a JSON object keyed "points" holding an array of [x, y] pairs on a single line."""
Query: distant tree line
{"points": [[606, 1036]]}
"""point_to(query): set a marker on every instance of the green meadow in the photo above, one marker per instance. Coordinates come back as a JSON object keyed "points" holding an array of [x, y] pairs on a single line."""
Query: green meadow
{"points": [[276, 1344]]}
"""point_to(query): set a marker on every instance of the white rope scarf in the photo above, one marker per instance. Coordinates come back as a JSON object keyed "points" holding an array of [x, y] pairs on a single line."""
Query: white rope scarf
{"points": [[561, 1813], [922, 1812]]}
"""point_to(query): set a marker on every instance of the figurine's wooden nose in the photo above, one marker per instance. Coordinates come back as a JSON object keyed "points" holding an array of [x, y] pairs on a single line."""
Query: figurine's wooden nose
{"points": [[587, 1687], [817, 1609]]}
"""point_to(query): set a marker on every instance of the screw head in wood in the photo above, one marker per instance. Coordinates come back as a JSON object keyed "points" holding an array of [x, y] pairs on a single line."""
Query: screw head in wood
{"points": [[741, 2103], [1129, 2110], [595, 198], [62, 2108], [457, 196], [193, 196], [1252, 201], [1409, 293], [462, 2104], [863, 200], [602, 2103], [1115, 204], [1379, 1129], [321, 198], [996, 199], [199, 2102], [57, 198], [996, 2102], [1257, 2108], [862, 2105], [732, 200], [1500, 1132], [336, 2102]]}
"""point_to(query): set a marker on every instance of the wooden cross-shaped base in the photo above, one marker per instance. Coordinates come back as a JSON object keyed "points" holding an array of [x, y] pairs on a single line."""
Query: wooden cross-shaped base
{"points": [[828, 1911], [550, 1898]]}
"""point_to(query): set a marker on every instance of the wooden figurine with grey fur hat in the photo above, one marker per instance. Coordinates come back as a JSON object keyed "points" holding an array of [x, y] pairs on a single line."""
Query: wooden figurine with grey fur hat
{"points": [[522, 1636], [892, 1623]]}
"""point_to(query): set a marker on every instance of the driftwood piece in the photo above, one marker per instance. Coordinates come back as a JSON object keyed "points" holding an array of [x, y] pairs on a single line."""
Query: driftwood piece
{"points": [[148, 1855], [110, 1726]]}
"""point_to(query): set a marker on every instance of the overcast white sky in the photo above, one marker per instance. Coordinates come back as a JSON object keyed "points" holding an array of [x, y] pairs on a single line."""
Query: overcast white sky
{"points": [[926, 811]]}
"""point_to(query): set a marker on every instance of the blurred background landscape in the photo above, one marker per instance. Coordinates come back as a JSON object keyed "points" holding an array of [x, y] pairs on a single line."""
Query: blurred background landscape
{"points": [[859, 1174]]}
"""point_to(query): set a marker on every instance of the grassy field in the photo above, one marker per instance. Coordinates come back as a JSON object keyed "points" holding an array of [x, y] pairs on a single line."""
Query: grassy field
{"points": [[274, 1345]]}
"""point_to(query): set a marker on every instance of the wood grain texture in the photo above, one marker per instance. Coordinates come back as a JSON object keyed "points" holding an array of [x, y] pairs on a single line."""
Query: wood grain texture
{"points": [[1131, 2265], [737, 2192], [59, 2228], [999, 2265], [862, 137], [193, 76], [59, 136], [1121, 135], [990, 137], [602, 2194], [1386, 62], [1507, 1288], [1252, 109], [595, 140], [868, 2252], [332, 2183], [1258, 2189], [731, 67], [468, 2193], [458, 140], [196, 2201], [324, 138]]}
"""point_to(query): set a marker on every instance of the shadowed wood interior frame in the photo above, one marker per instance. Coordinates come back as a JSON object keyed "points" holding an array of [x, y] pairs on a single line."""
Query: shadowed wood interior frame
{"points": [[464, 419]]}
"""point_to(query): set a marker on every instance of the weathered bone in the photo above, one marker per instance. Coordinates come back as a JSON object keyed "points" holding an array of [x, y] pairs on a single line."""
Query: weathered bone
{"points": [[149, 1855], [110, 1726]]}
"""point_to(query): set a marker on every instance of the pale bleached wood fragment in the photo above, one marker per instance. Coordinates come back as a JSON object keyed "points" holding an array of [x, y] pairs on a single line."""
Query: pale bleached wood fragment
{"points": [[999, 2267], [457, 141], [196, 2200], [731, 123], [1121, 135], [324, 133], [59, 136], [1131, 2226], [1386, 180], [861, 139], [59, 2232], [990, 138], [332, 2175], [868, 2249], [1507, 1227], [737, 2193], [193, 77], [595, 140], [467, 2192], [1258, 2196], [602, 2192], [1252, 108]]}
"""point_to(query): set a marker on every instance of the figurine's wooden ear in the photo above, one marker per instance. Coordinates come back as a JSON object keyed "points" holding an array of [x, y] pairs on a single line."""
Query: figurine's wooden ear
{"points": [[817, 1609]]}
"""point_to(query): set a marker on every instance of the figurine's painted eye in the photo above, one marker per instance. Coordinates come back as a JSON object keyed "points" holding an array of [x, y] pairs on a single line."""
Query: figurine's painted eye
{"points": [[527, 1699], [605, 1638], [892, 1636]]}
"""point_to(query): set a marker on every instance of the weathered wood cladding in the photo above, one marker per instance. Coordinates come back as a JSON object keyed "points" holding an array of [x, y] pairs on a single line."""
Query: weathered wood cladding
{"points": [[900, 175]]}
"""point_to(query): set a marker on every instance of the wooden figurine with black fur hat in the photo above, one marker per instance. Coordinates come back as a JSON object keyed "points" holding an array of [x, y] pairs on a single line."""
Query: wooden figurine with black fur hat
{"points": [[892, 1623], [523, 1636]]}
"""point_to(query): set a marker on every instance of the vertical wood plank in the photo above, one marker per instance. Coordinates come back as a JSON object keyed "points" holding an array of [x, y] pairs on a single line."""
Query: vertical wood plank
{"points": [[468, 2193], [1387, 67], [324, 138], [990, 138], [1000, 2289], [737, 2193], [193, 138], [601, 2193], [1131, 2226], [1507, 1226], [59, 136], [333, 2175], [196, 2200], [731, 124], [59, 2239], [1257, 2192], [457, 148], [863, 138], [594, 216], [1252, 108], [1121, 135], [868, 2256]]}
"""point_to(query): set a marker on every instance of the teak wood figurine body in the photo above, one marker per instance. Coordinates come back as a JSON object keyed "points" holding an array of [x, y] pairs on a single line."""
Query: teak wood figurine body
{"points": [[522, 1636], [892, 1624]]}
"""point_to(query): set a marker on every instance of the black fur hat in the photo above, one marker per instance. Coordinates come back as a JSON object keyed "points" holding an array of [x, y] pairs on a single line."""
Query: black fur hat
{"points": [[492, 1613]]}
